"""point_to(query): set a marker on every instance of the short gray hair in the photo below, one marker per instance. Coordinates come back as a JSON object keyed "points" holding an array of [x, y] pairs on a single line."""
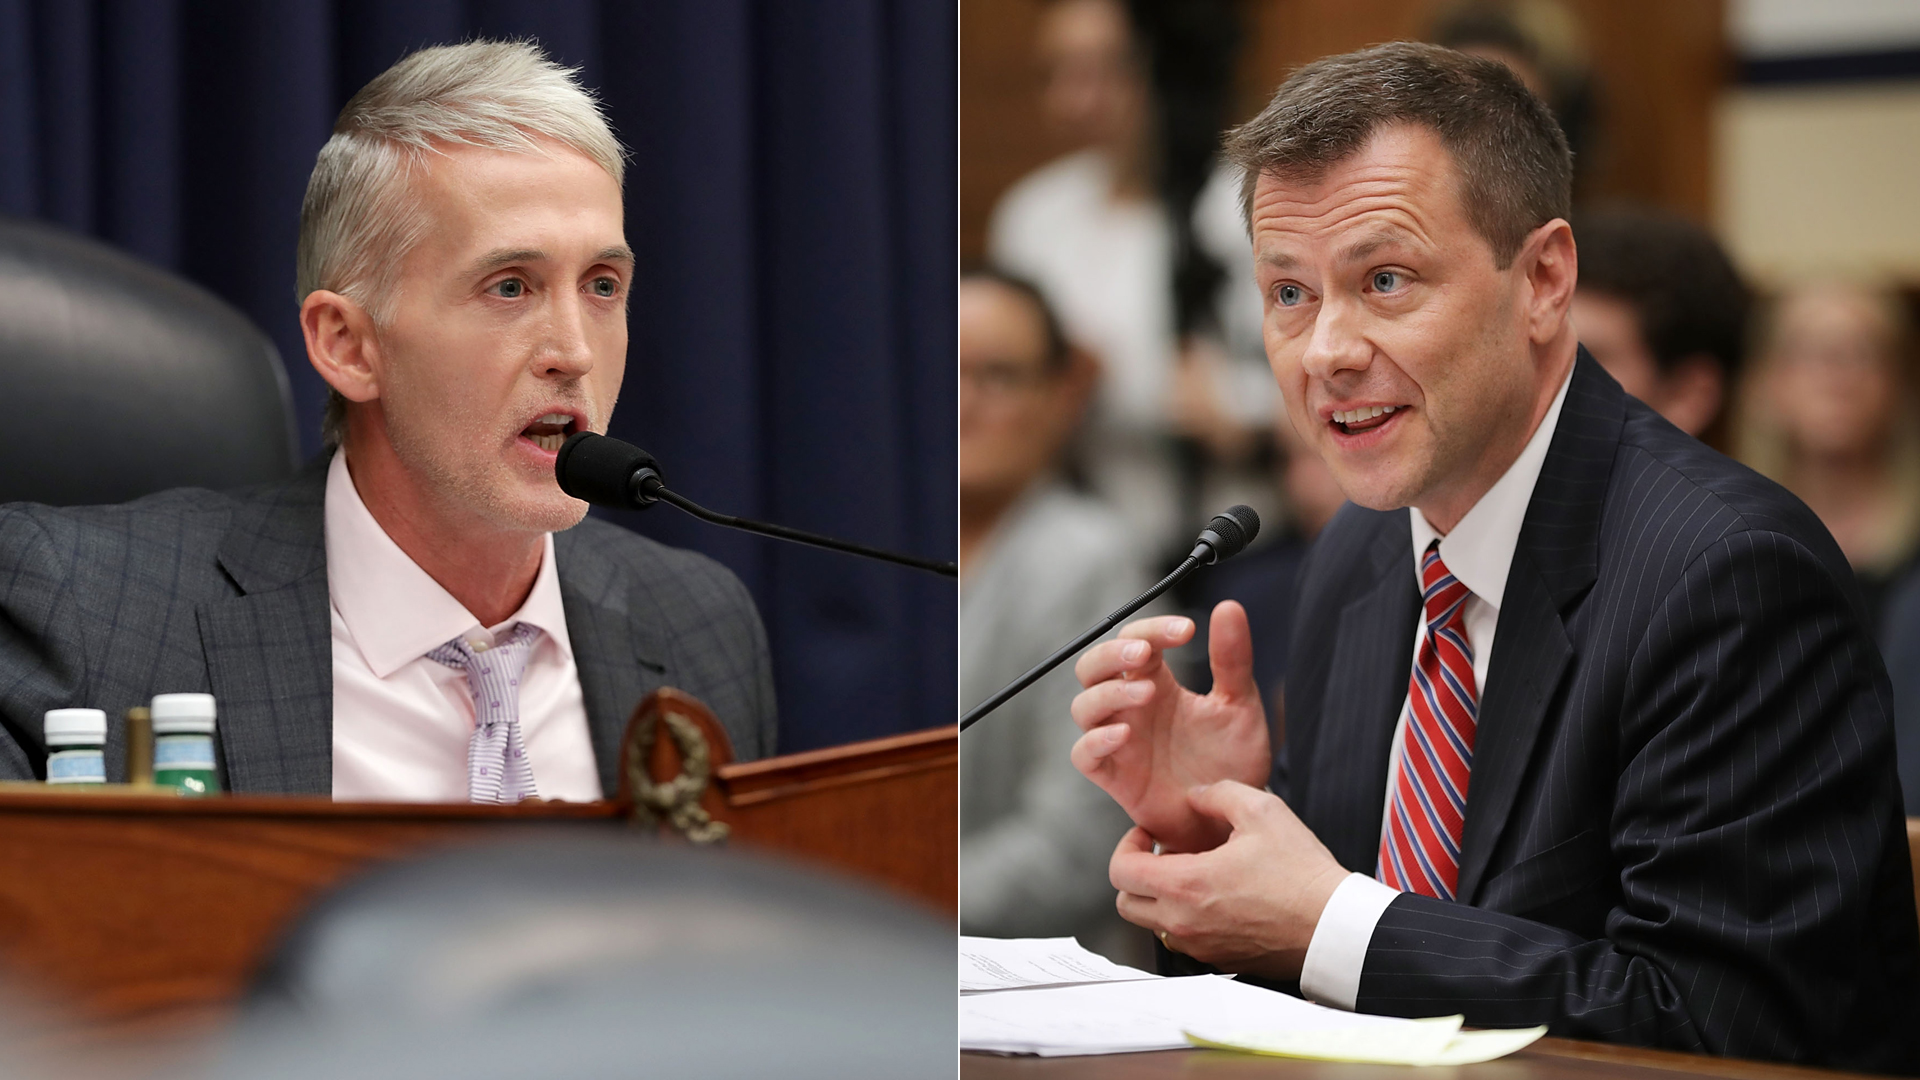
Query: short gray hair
{"points": [[358, 220], [1515, 168]]}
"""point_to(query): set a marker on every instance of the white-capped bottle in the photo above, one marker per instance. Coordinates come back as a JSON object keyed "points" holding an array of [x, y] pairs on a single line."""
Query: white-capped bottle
{"points": [[76, 746], [183, 742]]}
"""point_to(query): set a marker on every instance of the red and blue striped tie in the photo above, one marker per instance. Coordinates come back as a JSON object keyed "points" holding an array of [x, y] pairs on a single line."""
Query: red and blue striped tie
{"points": [[1420, 848]]}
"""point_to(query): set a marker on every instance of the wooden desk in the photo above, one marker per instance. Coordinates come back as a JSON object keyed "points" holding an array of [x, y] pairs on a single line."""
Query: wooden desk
{"points": [[1548, 1059], [152, 911]]}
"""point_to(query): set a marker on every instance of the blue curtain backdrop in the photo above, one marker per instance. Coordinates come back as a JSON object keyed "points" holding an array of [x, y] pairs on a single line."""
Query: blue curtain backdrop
{"points": [[792, 198]]}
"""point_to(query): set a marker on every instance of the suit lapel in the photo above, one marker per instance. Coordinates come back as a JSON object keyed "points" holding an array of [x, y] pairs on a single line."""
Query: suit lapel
{"points": [[1553, 568], [1369, 668], [1530, 653], [619, 652], [269, 650]]}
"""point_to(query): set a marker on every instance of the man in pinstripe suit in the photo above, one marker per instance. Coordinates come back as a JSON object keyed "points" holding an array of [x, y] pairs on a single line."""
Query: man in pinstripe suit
{"points": [[1583, 725]]}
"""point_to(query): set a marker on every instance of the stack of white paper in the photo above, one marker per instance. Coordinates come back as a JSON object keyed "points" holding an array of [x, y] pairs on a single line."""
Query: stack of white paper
{"points": [[1051, 997], [1120, 1017], [1016, 963]]}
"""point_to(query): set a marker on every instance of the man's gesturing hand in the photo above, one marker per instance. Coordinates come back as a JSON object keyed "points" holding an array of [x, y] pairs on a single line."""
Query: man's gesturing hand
{"points": [[1249, 905], [1149, 740]]}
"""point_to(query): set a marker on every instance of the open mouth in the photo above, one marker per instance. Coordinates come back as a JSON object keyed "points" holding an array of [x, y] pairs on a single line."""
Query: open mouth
{"points": [[1363, 419], [550, 431]]}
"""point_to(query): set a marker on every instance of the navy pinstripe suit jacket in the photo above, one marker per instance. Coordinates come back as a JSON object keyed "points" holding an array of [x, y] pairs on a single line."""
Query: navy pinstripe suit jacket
{"points": [[226, 593], [1683, 826]]}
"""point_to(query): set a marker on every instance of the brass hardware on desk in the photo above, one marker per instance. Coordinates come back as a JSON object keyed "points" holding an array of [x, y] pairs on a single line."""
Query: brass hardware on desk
{"points": [[676, 800]]}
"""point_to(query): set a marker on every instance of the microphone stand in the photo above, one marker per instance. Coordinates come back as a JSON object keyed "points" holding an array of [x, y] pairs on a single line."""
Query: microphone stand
{"points": [[647, 487], [1223, 538], [1034, 673]]}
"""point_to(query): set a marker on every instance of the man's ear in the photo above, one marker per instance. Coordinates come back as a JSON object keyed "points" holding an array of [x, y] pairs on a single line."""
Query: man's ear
{"points": [[341, 344], [1549, 261]]}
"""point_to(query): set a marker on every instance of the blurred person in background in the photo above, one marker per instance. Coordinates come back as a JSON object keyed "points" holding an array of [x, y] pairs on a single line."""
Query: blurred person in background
{"points": [[1544, 43], [1662, 308], [1039, 563], [1136, 240], [1829, 415], [1833, 401]]}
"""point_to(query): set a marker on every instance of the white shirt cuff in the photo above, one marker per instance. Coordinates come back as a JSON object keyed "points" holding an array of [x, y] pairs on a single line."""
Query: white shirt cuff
{"points": [[1331, 973]]}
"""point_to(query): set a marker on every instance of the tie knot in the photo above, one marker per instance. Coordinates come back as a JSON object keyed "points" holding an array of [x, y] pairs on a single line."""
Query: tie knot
{"points": [[1443, 594], [509, 653], [497, 765]]}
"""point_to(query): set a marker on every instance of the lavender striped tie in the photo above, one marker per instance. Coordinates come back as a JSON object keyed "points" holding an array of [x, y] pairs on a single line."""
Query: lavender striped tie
{"points": [[497, 767]]}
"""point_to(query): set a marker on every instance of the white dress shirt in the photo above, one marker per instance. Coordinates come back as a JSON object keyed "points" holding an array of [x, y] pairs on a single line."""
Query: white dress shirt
{"points": [[401, 721], [1478, 552]]}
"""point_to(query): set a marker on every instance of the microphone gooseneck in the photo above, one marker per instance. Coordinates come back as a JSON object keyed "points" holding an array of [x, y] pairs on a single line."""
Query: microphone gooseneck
{"points": [[607, 472], [1223, 538]]}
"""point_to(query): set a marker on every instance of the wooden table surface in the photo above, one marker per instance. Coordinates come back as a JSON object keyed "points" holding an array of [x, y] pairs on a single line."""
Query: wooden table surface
{"points": [[1548, 1059]]}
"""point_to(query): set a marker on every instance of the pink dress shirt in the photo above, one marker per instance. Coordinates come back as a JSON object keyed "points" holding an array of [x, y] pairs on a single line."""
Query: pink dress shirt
{"points": [[400, 720]]}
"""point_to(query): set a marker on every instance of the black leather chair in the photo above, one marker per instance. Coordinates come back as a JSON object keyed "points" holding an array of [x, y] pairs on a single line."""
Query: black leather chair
{"points": [[126, 380]]}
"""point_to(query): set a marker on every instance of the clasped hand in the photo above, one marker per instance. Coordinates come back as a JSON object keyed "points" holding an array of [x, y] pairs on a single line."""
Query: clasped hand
{"points": [[1239, 881]]}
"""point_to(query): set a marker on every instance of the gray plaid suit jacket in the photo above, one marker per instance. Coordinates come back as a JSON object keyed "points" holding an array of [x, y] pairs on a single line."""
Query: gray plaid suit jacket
{"points": [[226, 593], [1683, 826]]}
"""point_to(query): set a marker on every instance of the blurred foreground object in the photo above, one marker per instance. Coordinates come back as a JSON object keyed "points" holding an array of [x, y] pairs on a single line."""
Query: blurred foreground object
{"points": [[154, 913], [586, 954], [157, 383]]}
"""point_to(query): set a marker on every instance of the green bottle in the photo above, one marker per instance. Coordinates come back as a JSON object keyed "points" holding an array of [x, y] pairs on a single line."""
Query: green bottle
{"points": [[183, 743]]}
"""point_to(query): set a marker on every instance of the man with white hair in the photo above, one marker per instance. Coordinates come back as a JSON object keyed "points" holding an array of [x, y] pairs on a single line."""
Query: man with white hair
{"points": [[421, 614]]}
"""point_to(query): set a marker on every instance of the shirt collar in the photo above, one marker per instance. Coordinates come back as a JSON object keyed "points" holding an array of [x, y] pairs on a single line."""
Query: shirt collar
{"points": [[395, 612], [1479, 550]]}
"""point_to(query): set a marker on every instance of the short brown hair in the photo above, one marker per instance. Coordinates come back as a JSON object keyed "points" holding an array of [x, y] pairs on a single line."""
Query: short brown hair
{"points": [[1516, 171]]}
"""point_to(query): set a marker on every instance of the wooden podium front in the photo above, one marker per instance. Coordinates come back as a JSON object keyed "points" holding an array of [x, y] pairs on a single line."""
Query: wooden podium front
{"points": [[153, 909]]}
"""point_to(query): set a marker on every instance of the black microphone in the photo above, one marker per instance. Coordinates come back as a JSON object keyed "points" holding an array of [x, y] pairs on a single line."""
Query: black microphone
{"points": [[607, 472], [1224, 537]]}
